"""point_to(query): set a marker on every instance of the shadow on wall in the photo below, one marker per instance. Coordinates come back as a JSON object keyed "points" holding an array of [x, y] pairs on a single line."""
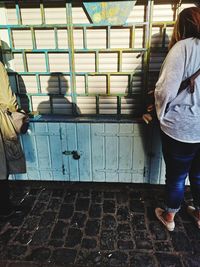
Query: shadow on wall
{"points": [[150, 133], [57, 87], [159, 44], [58, 102]]}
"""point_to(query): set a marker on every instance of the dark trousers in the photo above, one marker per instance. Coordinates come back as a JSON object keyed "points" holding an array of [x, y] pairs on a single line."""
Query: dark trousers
{"points": [[4, 196], [182, 160]]}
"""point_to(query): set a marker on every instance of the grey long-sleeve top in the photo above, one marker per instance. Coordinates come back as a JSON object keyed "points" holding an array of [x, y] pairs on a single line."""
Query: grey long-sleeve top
{"points": [[179, 115]]}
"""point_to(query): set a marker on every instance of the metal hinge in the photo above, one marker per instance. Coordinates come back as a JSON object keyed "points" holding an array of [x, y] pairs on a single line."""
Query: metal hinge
{"points": [[63, 169], [144, 172]]}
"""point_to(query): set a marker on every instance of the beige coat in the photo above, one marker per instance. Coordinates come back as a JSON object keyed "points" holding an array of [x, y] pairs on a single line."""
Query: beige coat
{"points": [[11, 155]]}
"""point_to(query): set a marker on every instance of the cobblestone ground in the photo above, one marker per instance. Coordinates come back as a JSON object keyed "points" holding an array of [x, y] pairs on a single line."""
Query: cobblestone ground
{"points": [[81, 224]]}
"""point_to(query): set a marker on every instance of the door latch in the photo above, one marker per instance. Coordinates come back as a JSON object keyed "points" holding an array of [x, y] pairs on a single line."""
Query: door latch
{"points": [[74, 154]]}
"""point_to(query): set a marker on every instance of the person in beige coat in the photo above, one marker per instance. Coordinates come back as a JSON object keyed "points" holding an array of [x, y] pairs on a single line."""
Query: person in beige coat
{"points": [[11, 154]]}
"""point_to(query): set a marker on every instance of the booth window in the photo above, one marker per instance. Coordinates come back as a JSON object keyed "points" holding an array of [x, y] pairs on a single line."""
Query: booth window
{"points": [[61, 60]]}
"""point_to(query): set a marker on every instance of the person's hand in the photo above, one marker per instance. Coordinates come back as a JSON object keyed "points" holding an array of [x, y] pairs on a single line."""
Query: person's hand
{"points": [[147, 118]]}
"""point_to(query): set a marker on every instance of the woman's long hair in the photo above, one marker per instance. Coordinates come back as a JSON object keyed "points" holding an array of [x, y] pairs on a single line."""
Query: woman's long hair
{"points": [[187, 25]]}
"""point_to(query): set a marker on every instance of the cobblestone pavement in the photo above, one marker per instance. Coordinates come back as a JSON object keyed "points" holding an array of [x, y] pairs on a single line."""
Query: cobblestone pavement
{"points": [[93, 224]]}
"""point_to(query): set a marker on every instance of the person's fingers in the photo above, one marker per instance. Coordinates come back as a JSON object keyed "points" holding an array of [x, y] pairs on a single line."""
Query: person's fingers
{"points": [[147, 118], [150, 108]]}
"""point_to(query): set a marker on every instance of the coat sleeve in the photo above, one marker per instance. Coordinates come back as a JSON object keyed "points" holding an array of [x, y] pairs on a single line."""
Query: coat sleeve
{"points": [[170, 78], [7, 97]]}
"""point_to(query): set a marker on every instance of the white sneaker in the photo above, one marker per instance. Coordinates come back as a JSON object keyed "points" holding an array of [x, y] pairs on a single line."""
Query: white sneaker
{"points": [[168, 225]]}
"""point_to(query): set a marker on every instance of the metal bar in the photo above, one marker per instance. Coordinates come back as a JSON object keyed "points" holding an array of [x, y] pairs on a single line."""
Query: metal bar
{"points": [[86, 83], [30, 102], [33, 38], [44, 94], [112, 50], [40, 73], [147, 45], [108, 83], [38, 83], [25, 62], [56, 37], [132, 35], [84, 38], [160, 23], [17, 82], [18, 13], [81, 73], [113, 94], [108, 37], [51, 104], [120, 61], [119, 105], [104, 25], [59, 84], [42, 12], [97, 61], [37, 50], [164, 36], [47, 61], [130, 79], [64, 25], [136, 50], [97, 104], [88, 94], [11, 41], [71, 56]]}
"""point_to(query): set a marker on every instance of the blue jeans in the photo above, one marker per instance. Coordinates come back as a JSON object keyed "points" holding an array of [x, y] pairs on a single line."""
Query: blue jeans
{"points": [[182, 160]]}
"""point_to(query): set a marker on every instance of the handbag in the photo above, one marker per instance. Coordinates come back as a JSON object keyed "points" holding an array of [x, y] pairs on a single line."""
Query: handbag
{"points": [[151, 110], [13, 149], [19, 120]]}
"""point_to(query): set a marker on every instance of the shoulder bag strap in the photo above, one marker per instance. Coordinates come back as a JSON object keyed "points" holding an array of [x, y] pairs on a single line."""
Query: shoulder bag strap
{"points": [[189, 82]]}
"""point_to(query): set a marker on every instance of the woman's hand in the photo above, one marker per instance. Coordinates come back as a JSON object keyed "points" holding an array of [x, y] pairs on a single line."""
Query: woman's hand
{"points": [[147, 118]]}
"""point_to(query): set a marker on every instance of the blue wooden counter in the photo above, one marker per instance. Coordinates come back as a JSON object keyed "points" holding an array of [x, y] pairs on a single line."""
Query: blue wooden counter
{"points": [[110, 150]]}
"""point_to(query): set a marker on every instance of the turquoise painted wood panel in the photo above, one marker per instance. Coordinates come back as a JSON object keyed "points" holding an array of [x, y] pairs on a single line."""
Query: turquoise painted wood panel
{"points": [[115, 150], [30, 150], [125, 152], [110, 152], [98, 152], [71, 137], [162, 171], [84, 147], [155, 157], [125, 147], [64, 147], [43, 150], [139, 151], [55, 151]]}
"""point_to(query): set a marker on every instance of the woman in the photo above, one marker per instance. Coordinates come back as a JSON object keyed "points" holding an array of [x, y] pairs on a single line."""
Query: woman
{"points": [[11, 154], [179, 117]]}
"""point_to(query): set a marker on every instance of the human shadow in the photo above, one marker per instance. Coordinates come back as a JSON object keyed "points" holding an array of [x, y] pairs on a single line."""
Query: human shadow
{"points": [[59, 98], [150, 134], [159, 50]]}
